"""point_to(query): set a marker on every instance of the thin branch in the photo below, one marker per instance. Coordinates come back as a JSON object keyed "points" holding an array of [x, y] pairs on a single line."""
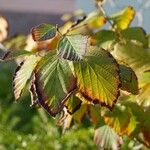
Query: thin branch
{"points": [[100, 7]]}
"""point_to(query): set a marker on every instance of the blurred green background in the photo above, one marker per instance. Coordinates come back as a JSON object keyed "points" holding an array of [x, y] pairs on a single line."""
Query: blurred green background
{"points": [[26, 128]]}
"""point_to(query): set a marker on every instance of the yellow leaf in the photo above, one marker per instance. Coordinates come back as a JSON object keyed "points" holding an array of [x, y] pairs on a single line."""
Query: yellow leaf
{"points": [[123, 18]]}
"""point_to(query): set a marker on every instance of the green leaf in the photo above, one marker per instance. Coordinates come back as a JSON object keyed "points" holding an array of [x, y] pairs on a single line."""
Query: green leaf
{"points": [[43, 32], [106, 138], [54, 83], [129, 81], [73, 47], [80, 114], [23, 74], [134, 55], [73, 104], [123, 18], [13, 54], [98, 77], [106, 38], [135, 33], [94, 113], [124, 118], [118, 119]]}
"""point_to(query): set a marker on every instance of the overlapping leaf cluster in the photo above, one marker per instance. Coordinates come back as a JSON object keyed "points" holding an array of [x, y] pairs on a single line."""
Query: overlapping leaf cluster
{"points": [[80, 71]]}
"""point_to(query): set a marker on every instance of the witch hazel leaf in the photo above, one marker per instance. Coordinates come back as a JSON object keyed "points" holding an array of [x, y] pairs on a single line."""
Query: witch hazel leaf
{"points": [[129, 80], [98, 77], [105, 137], [13, 54], [124, 118], [80, 114], [73, 104], [106, 39], [54, 83], [118, 119], [123, 18], [23, 74], [43, 32], [73, 47], [32, 89], [136, 33], [133, 55]]}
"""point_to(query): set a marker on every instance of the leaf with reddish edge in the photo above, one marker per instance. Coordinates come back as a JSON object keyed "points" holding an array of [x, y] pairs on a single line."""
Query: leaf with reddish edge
{"points": [[23, 73], [105, 137], [32, 89], [14, 54], [98, 77], [54, 83], [43, 32]]}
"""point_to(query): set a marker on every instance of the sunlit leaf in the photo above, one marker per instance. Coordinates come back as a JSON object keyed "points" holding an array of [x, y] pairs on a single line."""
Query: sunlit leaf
{"points": [[106, 138], [125, 118], [123, 18], [43, 32], [73, 47], [98, 77], [73, 104], [13, 54], [3, 28], [54, 83], [23, 74], [83, 99], [135, 33], [106, 38], [134, 55], [129, 81], [117, 119]]}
